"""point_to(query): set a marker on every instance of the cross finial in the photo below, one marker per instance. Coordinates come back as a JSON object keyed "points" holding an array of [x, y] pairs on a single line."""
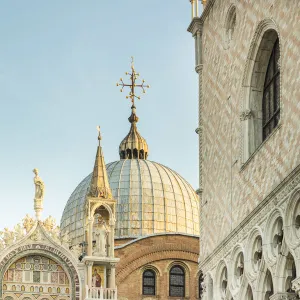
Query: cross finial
{"points": [[99, 134], [132, 85]]}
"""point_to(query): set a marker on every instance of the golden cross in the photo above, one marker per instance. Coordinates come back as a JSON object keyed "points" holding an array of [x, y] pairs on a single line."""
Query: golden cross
{"points": [[133, 77]]}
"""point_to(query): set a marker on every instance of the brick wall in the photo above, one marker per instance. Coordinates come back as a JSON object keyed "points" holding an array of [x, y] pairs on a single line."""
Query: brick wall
{"points": [[158, 253]]}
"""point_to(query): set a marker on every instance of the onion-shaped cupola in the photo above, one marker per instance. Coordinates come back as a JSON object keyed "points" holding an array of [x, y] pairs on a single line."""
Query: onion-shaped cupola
{"points": [[133, 145]]}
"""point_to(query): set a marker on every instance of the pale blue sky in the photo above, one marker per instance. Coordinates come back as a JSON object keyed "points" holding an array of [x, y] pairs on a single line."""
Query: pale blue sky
{"points": [[60, 61]]}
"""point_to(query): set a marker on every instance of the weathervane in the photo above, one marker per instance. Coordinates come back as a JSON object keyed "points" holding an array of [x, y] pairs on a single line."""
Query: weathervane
{"points": [[133, 77]]}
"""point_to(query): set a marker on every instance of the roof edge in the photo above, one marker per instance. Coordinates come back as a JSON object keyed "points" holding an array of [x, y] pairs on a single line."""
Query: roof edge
{"points": [[152, 235]]}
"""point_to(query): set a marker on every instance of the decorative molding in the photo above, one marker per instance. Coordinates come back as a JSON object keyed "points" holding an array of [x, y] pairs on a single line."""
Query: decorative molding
{"points": [[246, 115], [284, 296], [296, 286], [256, 217], [199, 69], [196, 25], [52, 251]]}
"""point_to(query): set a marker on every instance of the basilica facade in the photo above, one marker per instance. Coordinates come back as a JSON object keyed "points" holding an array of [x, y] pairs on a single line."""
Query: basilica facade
{"points": [[247, 60], [130, 230]]}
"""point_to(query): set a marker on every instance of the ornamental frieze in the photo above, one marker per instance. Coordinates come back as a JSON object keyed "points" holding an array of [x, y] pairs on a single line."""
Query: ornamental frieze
{"points": [[235, 237]]}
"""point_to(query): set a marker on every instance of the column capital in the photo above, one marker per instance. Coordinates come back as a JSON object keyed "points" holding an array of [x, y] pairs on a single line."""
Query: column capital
{"points": [[283, 296], [89, 263], [195, 26], [199, 68], [112, 265], [296, 286]]}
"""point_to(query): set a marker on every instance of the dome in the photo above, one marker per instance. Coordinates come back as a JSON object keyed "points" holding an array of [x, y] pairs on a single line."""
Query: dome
{"points": [[133, 145], [151, 199]]}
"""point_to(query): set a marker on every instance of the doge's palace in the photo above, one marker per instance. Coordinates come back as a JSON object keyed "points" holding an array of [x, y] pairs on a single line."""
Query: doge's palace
{"points": [[247, 60]]}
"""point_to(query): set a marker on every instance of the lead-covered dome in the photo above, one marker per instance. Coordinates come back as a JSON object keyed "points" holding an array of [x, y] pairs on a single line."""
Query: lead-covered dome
{"points": [[151, 198]]}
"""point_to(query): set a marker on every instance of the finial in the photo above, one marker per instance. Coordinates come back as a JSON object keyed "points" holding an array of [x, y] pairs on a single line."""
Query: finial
{"points": [[99, 134], [132, 85], [39, 194]]}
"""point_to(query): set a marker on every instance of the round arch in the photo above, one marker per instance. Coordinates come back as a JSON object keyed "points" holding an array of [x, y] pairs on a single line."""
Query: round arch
{"points": [[49, 252], [187, 272]]}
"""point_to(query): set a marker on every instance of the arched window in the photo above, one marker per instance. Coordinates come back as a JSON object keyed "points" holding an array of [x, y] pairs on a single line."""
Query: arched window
{"points": [[200, 283], [149, 282], [177, 282], [268, 289], [261, 83], [270, 102]]}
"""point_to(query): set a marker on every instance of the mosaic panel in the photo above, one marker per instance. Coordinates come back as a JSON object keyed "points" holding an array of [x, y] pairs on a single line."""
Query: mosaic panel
{"points": [[36, 274]]}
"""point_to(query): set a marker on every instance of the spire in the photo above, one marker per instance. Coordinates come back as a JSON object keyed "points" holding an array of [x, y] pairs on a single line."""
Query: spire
{"points": [[133, 146], [99, 186]]}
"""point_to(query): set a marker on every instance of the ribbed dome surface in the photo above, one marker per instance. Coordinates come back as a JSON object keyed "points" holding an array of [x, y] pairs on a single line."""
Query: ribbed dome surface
{"points": [[151, 198]]}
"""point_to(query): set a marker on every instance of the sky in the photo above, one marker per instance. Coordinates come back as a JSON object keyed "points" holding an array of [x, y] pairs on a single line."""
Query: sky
{"points": [[60, 61]]}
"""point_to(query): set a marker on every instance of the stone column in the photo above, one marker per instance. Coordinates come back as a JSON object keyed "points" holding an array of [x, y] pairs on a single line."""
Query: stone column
{"points": [[284, 296], [193, 7], [112, 238], [82, 278], [90, 236], [112, 276], [89, 272]]}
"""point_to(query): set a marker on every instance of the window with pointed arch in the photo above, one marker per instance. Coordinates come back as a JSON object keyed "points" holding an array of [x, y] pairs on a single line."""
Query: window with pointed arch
{"points": [[262, 89], [177, 282], [149, 282], [270, 102]]}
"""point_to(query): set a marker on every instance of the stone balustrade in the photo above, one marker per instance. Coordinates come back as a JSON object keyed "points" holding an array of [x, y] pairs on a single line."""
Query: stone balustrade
{"points": [[100, 293]]}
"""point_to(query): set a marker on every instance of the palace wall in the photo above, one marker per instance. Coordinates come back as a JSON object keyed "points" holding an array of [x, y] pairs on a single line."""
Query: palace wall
{"points": [[233, 182]]}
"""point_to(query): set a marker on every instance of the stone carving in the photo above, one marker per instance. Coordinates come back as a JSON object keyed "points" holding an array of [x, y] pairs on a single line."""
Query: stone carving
{"points": [[246, 115], [76, 251], [28, 223], [7, 237], [19, 232], [100, 192], [2, 245], [49, 224], [52, 229], [101, 233], [36, 236], [65, 239], [254, 219], [39, 194], [56, 234], [39, 186], [296, 286], [284, 296]]}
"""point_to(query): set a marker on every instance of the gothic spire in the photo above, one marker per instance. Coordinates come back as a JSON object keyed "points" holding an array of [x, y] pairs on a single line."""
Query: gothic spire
{"points": [[99, 186]]}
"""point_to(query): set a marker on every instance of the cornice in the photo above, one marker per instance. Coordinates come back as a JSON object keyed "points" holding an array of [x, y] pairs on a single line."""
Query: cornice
{"points": [[153, 235], [196, 25], [207, 9], [197, 22]]}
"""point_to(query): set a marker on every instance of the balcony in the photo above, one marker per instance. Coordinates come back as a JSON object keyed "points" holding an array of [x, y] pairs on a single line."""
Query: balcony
{"points": [[101, 293]]}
